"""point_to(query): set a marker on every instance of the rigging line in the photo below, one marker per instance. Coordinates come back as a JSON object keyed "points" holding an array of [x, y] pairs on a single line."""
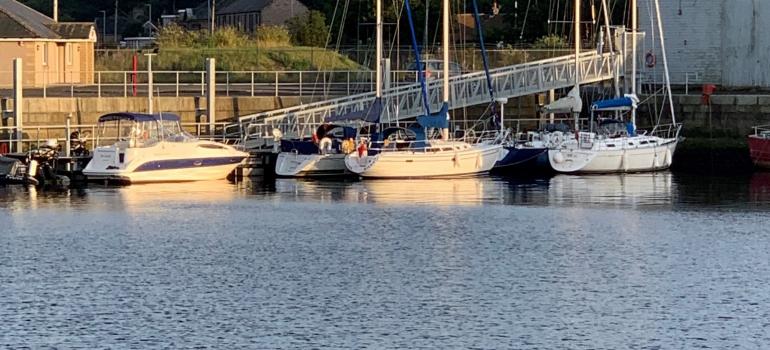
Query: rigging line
{"points": [[327, 88], [524, 23], [416, 48]]}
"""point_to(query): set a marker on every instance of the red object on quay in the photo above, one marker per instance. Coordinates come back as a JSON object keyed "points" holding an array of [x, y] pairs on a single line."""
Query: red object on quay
{"points": [[708, 90]]}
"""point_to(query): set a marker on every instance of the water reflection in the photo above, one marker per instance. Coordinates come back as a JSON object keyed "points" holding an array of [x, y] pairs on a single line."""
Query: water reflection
{"points": [[649, 190], [606, 190]]}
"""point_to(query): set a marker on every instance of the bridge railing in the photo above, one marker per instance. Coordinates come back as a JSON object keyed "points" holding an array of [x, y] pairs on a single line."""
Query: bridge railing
{"points": [[466, 90]]}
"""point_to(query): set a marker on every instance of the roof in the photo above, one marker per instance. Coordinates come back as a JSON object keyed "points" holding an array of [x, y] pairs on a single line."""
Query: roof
{"points": [[243, 6], [19, 21]]}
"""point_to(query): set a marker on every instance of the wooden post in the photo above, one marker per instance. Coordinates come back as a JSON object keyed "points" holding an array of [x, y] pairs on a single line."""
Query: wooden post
{"points": [[18, 102]]}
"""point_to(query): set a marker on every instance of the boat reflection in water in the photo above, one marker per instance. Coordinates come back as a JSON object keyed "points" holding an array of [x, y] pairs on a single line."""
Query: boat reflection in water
{"points": [[644, 189], [159, 195], [467, 191], [759, 188]]}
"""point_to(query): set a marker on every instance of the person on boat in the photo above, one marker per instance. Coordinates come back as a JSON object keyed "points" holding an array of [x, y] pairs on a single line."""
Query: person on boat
{"points": [[362, 151], [348, 146]]}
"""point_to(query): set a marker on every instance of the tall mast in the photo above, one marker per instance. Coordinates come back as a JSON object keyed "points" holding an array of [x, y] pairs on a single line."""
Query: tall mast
{"points": [[378, 59], [634, 26], [445, 40], [577, 44], [577, 62]]}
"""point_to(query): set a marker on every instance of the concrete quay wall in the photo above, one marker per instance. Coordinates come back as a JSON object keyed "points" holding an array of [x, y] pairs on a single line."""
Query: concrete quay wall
{"points": [[54, 111], [729, 116]]}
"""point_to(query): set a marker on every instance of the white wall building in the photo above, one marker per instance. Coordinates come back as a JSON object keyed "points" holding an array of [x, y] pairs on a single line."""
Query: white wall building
{"points": [[724, 42]]}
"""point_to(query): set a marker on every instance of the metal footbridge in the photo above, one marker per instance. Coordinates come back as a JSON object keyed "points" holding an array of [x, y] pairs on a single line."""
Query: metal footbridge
{"points": [[470, 89]]}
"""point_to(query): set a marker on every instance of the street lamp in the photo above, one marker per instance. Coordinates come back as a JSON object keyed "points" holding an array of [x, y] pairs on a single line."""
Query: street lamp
{"points": [[104, 27]]}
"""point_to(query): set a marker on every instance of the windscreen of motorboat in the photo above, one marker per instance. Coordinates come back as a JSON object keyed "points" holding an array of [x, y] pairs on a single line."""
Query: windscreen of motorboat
{"points": [[127, 133]]}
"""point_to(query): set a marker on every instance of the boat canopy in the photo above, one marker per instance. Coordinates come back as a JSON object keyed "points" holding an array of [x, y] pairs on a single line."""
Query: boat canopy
{"points": [[324, 129], [436, 120], [572, 103], [139, 117], [370, 115], [625, 103]]}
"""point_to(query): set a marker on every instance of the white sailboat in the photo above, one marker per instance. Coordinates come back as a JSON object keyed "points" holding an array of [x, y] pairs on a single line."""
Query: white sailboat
{"points": [[617, 147], [408, 153]]}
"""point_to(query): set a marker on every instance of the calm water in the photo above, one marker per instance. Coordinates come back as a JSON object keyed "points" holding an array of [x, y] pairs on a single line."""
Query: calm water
{"points": [[601, 262]]}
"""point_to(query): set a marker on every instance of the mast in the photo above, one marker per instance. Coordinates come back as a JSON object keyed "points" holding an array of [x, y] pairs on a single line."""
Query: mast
{"points": [[378, 59], [634, 26], [577, 63], [445, 42], [577, 44]]}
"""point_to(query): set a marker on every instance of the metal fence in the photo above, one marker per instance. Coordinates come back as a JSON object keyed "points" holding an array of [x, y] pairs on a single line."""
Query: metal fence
{"points": [[33, 137]]}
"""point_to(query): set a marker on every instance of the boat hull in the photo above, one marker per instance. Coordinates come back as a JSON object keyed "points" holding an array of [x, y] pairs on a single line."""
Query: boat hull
{"points": [[759, 148], [522, 159], [419, 164], [164, 162], [289, 164], [622, 160]]}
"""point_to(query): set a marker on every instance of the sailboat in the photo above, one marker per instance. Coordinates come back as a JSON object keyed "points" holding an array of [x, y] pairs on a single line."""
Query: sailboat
{"points": [[616, 146], [409, 152]]}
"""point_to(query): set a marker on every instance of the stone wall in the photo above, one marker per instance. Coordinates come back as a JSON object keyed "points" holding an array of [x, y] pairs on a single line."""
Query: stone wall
{"points": [[727, 116]]}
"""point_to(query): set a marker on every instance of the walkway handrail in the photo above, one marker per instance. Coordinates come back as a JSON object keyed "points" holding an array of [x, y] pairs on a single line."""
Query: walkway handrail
{"points": [[401, 102]]}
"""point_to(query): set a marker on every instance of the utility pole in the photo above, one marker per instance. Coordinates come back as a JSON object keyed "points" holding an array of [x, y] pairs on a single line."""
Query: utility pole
{"points": [[212, 15], [104, 27], [425, 39], [115, 28]]}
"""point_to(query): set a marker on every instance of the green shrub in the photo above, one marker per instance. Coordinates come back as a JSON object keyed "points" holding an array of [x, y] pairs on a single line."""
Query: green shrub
{"points": [[309, 29], [272, 36], [551, 41]]}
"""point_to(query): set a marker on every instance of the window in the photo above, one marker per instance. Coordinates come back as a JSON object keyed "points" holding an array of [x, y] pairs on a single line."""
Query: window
{"points": [[68, 53], [45, 54]]}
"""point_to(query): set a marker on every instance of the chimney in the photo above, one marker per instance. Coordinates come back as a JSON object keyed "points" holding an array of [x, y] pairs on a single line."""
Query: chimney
{"points": [[56, 10]]}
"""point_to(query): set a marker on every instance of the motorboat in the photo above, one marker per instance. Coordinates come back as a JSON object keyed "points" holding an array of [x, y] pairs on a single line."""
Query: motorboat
{"points": [[318, 156], [759, 146], [143, 148]]}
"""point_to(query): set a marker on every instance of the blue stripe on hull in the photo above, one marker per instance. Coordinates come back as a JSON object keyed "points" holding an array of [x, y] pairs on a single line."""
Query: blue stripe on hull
{"points": [[187, 163]]}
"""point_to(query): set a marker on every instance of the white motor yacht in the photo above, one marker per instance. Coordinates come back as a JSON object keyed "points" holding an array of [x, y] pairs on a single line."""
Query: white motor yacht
{"points": [[143, 148]]}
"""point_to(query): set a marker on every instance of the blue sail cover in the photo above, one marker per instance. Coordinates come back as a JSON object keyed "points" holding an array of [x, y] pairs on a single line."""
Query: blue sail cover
{"points": [[617, 104], [437, 120], [370, 115], [138, 117]]}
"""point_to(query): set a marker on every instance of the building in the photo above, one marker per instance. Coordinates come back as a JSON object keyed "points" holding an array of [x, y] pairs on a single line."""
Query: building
{"points": [[52, 52], [712, 41], [247, 15]]}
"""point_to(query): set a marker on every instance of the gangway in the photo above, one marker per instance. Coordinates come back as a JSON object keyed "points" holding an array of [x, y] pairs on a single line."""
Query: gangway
{"points": [[469, 89]]}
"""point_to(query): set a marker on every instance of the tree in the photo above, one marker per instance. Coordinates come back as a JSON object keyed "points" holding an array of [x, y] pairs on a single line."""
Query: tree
{"points": [[309, 29]]}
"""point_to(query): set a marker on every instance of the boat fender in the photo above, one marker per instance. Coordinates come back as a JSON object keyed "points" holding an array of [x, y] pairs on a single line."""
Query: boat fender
{"points": [[478, 161], [624, 160], [667, 161], [558, 158], [326, 145]]}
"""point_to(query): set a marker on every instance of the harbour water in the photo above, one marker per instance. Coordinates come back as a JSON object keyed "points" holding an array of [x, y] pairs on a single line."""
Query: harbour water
{"points": [[644, 261]]}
